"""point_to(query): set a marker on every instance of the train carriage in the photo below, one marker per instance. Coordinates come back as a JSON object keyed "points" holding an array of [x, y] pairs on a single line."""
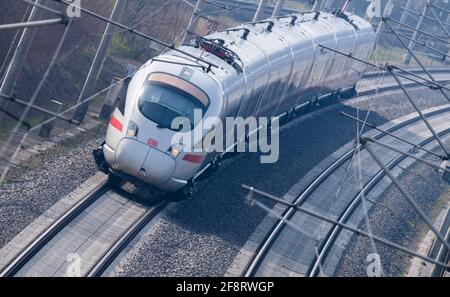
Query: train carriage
{"points": [[264, 69]]}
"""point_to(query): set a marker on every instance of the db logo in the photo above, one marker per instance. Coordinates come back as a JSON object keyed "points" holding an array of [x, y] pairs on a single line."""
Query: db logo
{"points": [[153, 143]]}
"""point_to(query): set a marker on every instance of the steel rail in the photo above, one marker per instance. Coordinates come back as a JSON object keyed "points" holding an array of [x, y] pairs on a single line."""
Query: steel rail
{"points": [[302, 198], [115, 250], [362, 93], [333, 234], [31, 250], [57, 227], [443, 254], [326, 219]]}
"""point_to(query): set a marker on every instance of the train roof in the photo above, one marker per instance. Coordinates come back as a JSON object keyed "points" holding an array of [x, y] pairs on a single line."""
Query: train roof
{"points": [[237, 48]]}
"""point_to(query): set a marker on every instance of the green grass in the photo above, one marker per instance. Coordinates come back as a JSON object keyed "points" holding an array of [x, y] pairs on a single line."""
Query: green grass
{"points": [[395, 56], [128, 47], [89, 54], [8, 125], [98, 99], [6, 128], [119, 46]]}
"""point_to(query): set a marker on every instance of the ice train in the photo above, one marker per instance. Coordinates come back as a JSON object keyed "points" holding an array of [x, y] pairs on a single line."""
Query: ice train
{"points": [[264, 69]]}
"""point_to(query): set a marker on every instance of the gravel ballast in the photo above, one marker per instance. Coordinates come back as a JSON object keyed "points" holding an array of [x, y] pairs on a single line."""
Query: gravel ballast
{"points": [[46, 177], [202, 236], [393, 218]]}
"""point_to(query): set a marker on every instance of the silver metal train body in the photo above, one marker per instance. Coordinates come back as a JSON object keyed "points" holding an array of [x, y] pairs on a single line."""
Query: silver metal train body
{"points": [[265, 68]]}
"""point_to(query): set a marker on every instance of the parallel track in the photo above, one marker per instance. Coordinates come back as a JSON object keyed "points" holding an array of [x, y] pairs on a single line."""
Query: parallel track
{"points": [[113, 252], [29, 252], [76, 211], [331, 237], [439, 252], [273, 234], [123, 241]]}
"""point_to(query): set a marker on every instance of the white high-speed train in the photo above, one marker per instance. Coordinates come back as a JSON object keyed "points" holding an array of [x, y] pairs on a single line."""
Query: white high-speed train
{"points": [[265, 68]]}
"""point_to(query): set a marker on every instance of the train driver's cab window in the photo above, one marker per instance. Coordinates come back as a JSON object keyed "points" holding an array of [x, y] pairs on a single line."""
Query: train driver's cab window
{"points": [[165, 97]]}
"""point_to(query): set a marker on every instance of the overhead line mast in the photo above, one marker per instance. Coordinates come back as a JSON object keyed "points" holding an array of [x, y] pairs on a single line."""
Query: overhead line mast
{"points": [[133, 31], [101, 52], [18, 60], [324, 218], [97, 64]]}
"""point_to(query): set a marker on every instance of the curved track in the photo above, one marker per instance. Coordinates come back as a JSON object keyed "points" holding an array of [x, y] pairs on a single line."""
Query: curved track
{"points": [[93, 232], [101, 225], [123, 241], [331, 237], [318, 254]]}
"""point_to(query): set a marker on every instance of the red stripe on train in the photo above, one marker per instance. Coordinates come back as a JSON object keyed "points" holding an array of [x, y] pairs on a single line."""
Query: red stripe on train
{"points": [[115, 123], [194, 158]]}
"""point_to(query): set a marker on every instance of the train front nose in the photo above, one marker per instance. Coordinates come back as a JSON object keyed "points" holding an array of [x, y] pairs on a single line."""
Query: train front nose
{"points": [[138, 159]]}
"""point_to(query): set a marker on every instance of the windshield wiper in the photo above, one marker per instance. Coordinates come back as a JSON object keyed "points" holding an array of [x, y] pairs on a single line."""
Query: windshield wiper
{"points": [[164, 126]]}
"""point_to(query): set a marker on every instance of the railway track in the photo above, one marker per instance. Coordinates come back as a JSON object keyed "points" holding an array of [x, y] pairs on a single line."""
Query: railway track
{"points": [[318, 255], [97, 242], [332, 236], [123, 241], [35, 258]]}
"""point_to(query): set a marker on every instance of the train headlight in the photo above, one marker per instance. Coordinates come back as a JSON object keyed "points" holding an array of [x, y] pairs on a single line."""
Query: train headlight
{"points": [[175, 150], [132, 130]]}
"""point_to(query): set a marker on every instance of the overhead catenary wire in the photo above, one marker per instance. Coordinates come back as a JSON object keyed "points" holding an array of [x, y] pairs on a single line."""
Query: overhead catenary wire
{"points": [[359, 132], [386, 20], [133, 31], [10, 50], [355, 156], [38, 108], [217, 5], [203, 15], [408, 197], [138, 20], [424, 44], [342, 225], [387, 66], [417, 108], [44, 7], [416, 208], [365, 210], [17, 62], [402, 87], [59, 115], [391, 135], [438, 20], [32, 106], [363, 198], [440, 8], [389, 147]]}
